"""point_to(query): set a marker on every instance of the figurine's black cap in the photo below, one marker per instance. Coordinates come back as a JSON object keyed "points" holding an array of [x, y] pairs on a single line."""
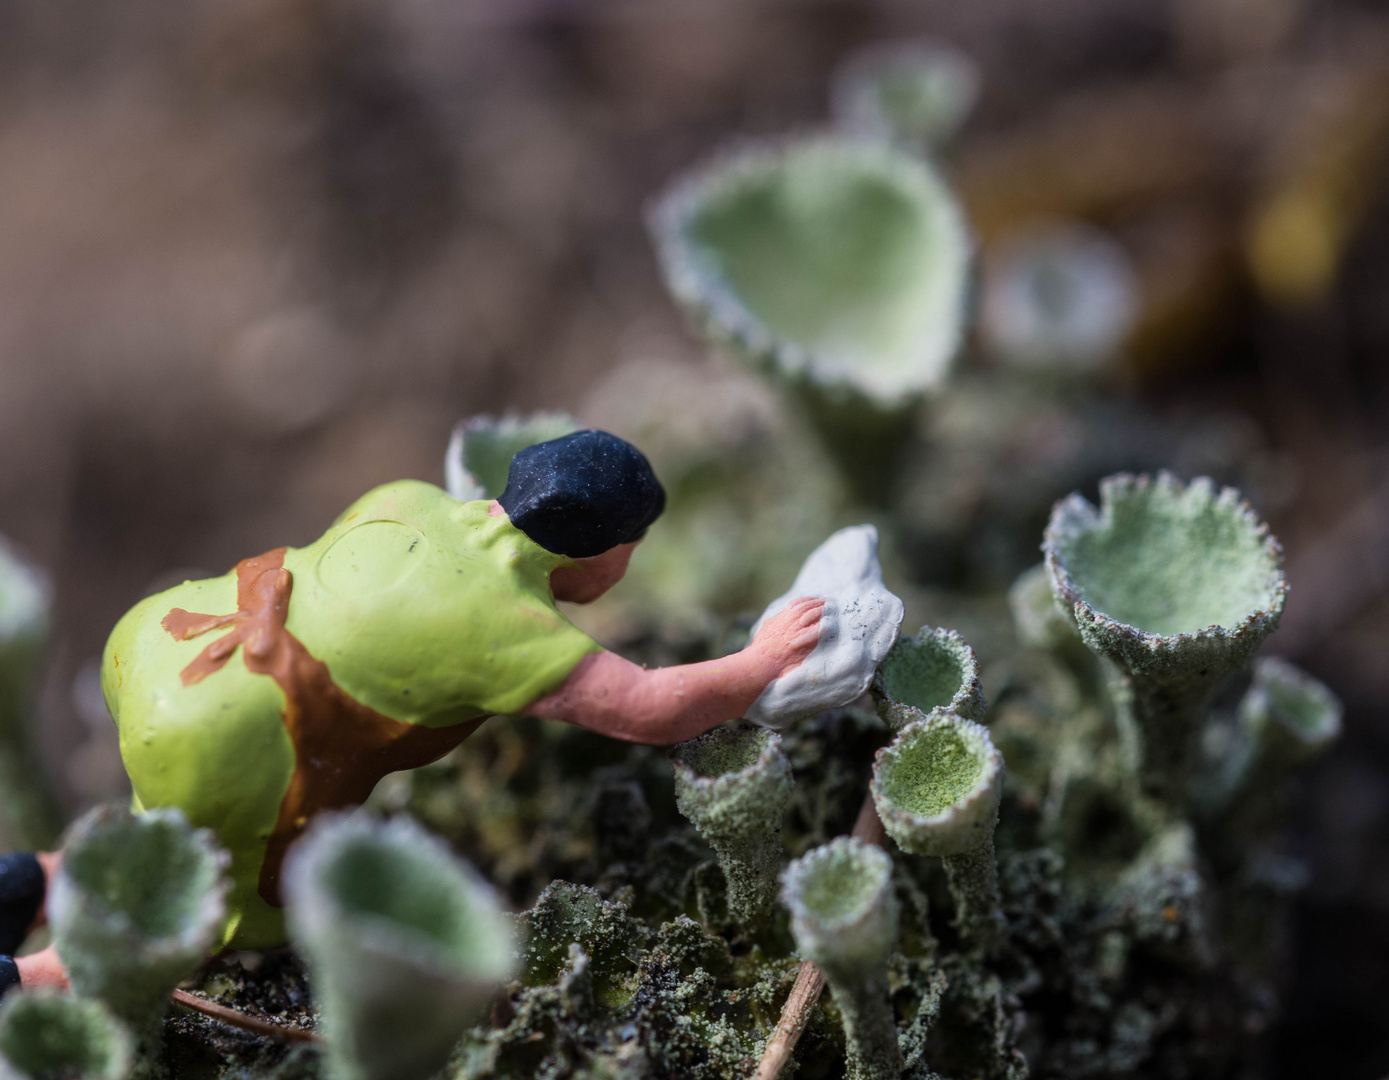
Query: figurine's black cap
{"points": [[583, 493]]}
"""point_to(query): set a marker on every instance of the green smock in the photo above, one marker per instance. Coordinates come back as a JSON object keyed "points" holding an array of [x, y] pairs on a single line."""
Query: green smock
{"points": [[426, 611]]}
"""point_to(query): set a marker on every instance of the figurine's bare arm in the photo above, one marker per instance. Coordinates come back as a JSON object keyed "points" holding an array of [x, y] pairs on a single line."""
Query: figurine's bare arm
{"points": [[618, 698]]}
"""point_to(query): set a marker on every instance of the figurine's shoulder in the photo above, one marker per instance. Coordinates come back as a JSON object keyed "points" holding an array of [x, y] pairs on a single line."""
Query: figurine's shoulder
{"points": [[413, 502]]}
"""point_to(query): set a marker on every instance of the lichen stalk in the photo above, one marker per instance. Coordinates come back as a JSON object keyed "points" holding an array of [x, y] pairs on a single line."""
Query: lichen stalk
{"points": [[1176, 585], [733, 784], [870, 1029], [973, 877], [844, 916]]}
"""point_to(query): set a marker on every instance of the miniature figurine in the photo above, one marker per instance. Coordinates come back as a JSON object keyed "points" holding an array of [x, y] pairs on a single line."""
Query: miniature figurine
{"points": [[380, 647]]}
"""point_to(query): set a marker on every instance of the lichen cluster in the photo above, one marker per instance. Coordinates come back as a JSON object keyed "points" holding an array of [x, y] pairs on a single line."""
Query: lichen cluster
{"points": [[1133, 937]]}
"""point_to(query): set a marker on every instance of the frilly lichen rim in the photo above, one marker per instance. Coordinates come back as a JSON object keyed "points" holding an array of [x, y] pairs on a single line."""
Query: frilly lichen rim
{"points": [[968, 700], [981, 802], [1075, 514], [870, 859], [196, 932], [316, 904], [699, 287], [771, 761]]}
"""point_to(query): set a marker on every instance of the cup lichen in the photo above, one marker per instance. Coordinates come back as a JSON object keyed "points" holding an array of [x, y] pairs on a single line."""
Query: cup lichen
{"points": [[1285, 719], [936, 669], [481, 448], [406, 943], [916, 94], [937, 788], [733, 785], [837, 265], [48, 1036], [1177, 585], [824, 259], [1292, 716], [135, 906], [1059, 297], [844, 916]]}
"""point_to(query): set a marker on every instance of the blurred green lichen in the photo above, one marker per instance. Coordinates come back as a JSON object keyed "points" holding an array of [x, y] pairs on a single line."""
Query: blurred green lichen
{"points": [[914, 94], [480, 451], [29, 814], [135, 907], [837, 265], [405, 942], [47, 1036]]}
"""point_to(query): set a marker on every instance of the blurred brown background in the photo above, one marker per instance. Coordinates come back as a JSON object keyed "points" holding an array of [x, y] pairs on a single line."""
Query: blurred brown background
{"points": [[258, 256]]}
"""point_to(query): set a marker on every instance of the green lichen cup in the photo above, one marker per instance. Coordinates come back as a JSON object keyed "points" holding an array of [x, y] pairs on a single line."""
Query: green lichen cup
{"points": [[839, 267], [1291, 715], [937, 787], [1285, 719], [733, 785], [406, 944], [844, 916], [480, 450], [917, 94], [1037, 620], [45, 1036], [1059, 297], [135, 906], [1177, 585], [936, 669], [29, 814]]}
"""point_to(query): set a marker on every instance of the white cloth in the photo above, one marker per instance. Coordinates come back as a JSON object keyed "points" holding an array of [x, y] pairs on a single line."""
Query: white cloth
{"points": [[859, 625]]}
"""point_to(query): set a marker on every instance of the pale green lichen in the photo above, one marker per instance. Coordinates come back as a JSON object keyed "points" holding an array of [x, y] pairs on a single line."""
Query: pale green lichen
{"points": [[1177, 585], [1292, 714], [480, 451], [135, 907], [566, 917], [46, 1036], [1059, 297], [1285, 719], [844, 915], [937, 788], [917, 94], [29, 815], [936, 669], [1040, 623], [733, 784], [826, 260], [406, 944]]}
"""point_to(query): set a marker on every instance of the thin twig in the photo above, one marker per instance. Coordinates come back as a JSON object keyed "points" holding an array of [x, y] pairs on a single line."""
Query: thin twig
{"points": [[809, 982], [241, 1020]]}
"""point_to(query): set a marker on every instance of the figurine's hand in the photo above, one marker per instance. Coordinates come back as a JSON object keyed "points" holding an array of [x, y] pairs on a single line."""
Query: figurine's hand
{"points": [[790, 635]]}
